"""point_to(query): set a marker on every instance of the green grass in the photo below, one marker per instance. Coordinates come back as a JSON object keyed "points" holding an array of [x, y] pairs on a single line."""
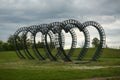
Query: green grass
{"points": [[13, 68], [55, 74]]}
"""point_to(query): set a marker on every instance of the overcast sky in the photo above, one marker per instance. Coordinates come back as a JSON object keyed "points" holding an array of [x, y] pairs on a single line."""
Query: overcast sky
{"points": [[18, 13]]}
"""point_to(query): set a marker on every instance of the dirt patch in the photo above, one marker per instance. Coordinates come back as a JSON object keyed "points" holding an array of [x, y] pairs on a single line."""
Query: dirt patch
{"points": [[90, 67], [105, 78]]}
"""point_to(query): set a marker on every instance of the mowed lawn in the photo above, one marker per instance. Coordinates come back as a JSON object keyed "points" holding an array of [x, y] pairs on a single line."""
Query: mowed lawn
{"points": [[13, 68]]}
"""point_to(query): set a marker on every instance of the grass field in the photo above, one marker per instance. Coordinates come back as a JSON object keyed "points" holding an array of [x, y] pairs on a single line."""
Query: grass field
{"points": [[13, 68]]}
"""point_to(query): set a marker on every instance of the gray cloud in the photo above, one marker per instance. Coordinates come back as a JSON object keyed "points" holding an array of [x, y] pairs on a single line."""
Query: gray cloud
{"points": [[17, 13]]}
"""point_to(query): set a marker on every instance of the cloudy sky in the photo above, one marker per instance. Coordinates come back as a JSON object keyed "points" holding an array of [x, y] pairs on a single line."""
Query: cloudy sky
{"points": [[18, 13]]}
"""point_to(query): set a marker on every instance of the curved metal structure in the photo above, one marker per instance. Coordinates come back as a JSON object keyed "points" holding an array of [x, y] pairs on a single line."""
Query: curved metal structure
{"points": [[35, 48], [77, 24], [57, 40], [16, 40], [102, 38]]}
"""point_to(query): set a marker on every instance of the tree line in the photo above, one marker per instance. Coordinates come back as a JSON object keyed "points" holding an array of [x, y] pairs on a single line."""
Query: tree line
{"points": [[9, 45]]}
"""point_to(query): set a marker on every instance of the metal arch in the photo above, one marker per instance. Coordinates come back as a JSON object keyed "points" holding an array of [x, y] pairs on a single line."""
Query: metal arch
{"points": [[19, 54], [57, 43], [74, 39], [34, 47], [102, 38], [52, 39], [45, 29], [86, 44], [73, 44], [33, 29], [51, 43], [24, 36], [57, 27], [77, 24], [40, 28], [51, 28]]}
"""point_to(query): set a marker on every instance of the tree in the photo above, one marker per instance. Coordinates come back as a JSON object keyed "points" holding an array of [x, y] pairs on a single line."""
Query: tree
{"points": [[10, 43], [4, 46], [40, 44], [95, 42], [1, 45], [10, 39]]}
